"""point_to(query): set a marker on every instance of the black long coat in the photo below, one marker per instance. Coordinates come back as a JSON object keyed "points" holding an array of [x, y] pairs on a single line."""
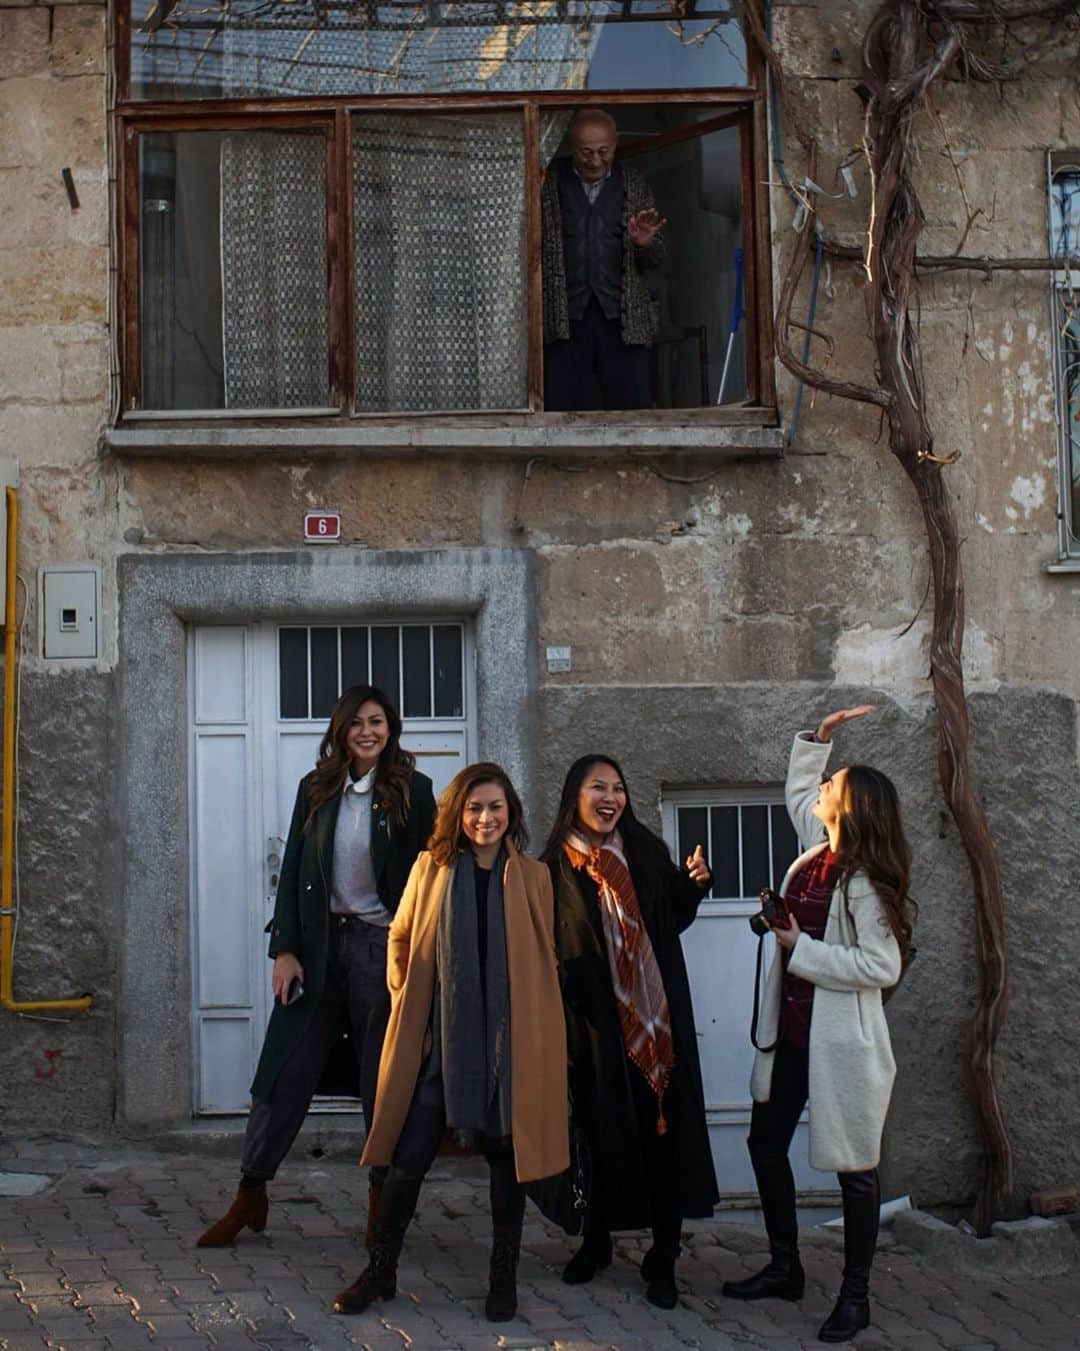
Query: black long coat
{"points": [[301, 923], [600, 1069]]}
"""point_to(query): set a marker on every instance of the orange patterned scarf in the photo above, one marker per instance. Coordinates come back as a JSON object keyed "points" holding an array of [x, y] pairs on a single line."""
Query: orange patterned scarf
{"points": [[644, 1017]]}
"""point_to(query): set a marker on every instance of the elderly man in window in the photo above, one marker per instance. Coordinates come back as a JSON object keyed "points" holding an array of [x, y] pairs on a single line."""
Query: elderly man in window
{"points": [[601, 235]]}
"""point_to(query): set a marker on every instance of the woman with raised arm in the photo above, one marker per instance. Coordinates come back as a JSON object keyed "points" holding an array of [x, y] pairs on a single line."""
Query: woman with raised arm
{"points": [[361, 817], [822, 1033], [620, 906], [476, 1040]]}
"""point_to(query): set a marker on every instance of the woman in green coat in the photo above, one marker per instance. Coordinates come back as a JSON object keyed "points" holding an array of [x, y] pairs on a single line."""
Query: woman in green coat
{"points": [[361, 817]]}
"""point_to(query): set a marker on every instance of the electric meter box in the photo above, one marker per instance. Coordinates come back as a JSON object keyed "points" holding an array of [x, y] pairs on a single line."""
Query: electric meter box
{"points": [[69, 611]]}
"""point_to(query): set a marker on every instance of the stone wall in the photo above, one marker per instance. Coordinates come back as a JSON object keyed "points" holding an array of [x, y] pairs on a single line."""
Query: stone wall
{"points": [[706, 618]]}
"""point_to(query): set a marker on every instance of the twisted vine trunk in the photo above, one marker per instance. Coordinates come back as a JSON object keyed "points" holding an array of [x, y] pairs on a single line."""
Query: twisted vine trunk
{"points": [[893, 95]]}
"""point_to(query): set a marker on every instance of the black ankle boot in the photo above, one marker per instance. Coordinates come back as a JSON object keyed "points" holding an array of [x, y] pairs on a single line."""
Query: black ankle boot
{"points": [[783, 1278], [501, 1304], [378, 1280], [593, 1256]]}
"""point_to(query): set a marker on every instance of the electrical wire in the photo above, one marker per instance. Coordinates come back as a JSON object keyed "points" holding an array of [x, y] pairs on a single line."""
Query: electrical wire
{"points": [[796, 408]]}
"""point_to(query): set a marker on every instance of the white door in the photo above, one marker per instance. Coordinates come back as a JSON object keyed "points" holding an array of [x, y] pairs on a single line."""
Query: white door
{"points": [[260, 701], [749, 842]]}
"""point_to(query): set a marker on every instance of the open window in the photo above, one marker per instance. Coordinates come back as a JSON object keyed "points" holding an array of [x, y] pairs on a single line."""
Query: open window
{"points": [[334, 209], [1064, 189]]}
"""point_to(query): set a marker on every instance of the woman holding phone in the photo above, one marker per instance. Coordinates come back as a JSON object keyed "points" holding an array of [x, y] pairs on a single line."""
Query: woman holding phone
{"points": [[620, 906], [476, 1040], [361, 817], [822, 1034]]}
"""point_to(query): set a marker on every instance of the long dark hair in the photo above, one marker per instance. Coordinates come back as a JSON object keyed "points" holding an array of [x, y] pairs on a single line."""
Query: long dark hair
{"points": [[447, 838], [872, 841], [646, 853], [392, 771]]}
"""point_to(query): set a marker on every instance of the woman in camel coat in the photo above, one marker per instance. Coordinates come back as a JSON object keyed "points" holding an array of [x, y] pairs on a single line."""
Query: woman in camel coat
{"points": [[476, 1042]]}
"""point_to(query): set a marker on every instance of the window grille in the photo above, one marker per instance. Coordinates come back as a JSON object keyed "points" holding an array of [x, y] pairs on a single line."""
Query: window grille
{"points": [[746, 836], [1064, 213], [421, 667]]}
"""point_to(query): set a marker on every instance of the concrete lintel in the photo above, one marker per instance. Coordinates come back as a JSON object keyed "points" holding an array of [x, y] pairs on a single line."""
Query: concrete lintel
{"points": [[586, 439]]}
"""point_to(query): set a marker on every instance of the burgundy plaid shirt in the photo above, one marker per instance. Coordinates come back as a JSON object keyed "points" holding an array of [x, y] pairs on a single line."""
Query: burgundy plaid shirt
{"points": [[808, 898]]}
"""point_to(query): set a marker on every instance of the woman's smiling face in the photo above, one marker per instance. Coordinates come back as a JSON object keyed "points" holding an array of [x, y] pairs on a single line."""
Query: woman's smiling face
{"points": [[601, 799]]}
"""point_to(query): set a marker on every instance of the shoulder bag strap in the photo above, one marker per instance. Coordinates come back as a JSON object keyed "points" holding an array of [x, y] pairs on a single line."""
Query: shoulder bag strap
{"points": [[757, 999]]}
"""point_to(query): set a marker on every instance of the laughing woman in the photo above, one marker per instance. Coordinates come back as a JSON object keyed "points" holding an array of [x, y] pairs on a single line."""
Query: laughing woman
{"points": [[620, 906], [476, 1039], [361, 817]]}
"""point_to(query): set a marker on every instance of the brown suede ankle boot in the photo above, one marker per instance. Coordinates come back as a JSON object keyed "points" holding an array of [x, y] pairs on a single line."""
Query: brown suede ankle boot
{"points": [[248, 1210], [374, 1193]]}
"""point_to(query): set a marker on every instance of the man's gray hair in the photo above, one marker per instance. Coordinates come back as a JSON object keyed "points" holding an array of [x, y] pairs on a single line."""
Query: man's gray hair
{"points": [[592, 115]]}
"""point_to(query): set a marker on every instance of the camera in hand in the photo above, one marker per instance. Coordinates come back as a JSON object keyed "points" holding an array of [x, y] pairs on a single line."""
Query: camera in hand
{"points": [[774, 913]]}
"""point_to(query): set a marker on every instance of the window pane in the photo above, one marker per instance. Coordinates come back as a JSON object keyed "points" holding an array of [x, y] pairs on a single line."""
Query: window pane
{"points": [[755, 849], [232, 272], [354, 657], [293, 672], [324, 672], [416, 653], [255, 48], [449, 693], [1070, 352], [725, 852], [785, 844], [438, 235], [384, 663], [692, 829]]}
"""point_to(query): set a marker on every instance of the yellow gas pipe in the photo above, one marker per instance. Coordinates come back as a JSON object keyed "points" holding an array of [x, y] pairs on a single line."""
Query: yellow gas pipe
{"points": [[7, 826]]}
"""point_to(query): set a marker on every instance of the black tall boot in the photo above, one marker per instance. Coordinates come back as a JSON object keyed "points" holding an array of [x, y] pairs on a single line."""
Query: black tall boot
{"points": [[378, 1280], [507, 1217], [595, 1251], [862, 1205], [783, 1277]]}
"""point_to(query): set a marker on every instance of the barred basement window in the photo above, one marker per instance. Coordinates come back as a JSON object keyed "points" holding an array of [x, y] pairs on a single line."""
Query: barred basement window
{"points": [[333, 209], [1064, 188], [746, 835], [420, 667]]}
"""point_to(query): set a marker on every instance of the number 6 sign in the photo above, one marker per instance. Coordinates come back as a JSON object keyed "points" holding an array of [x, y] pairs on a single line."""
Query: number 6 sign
{"points": [[322, 527]]}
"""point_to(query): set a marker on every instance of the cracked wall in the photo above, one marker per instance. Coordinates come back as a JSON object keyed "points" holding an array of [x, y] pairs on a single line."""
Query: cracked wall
{"points": [[706, 619]]}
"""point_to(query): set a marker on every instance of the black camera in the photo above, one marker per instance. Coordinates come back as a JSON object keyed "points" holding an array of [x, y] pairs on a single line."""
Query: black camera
{"points": [[774, 913]]}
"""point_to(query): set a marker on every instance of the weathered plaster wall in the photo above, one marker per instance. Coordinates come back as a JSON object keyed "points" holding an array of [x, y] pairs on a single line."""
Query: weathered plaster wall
{"points": [[705, 618]]}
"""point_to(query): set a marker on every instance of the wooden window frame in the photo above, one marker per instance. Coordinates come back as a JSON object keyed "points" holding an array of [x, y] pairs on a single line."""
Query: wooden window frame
{"points": [[741, 106]]}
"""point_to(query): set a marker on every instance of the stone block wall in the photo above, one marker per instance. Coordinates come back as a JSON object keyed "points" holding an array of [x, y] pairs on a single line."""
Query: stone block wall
{"points": [[706, 617]]}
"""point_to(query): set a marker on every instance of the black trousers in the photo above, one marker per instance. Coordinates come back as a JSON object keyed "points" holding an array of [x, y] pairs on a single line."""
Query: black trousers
{"points": [[416, 1148], [594, 368], [660, 1159], [772, 1128], [354, 1000]]}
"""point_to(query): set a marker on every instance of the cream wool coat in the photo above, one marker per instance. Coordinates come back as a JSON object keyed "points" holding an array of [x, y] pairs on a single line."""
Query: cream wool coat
{"points": [[538, 1099], [851, 1061]]}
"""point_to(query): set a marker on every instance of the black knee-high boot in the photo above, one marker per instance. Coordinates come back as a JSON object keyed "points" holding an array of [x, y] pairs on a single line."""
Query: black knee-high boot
{"points": [[595, 1251], [507, 1216], [378, 1280], [783, 1277], [862, 1206]]}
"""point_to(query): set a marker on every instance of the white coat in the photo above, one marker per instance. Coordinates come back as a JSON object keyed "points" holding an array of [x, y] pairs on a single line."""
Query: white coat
{"points": [[851, 1061]]}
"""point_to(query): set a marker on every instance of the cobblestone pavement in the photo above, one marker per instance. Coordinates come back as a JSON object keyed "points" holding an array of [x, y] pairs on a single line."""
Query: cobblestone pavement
{"points": [[105, 1257]]}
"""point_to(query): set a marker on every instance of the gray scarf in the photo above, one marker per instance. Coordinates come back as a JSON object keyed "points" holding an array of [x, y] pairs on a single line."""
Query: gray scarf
{"points": [[474, 1039]]}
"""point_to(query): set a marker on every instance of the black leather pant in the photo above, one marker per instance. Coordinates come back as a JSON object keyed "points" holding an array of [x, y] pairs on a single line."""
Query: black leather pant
{"points": [[772, 1127]]}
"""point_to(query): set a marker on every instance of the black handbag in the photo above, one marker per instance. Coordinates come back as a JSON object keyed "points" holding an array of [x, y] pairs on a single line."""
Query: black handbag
{"points": [[564, 1198]]}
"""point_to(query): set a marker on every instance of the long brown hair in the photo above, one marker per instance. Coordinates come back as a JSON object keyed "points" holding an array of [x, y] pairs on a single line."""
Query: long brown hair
{"points": [[392, 770], [872, 841], [448, 839]]}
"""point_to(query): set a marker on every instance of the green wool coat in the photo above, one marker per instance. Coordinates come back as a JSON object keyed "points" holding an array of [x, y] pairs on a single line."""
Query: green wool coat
{"points": [[301, 923]]}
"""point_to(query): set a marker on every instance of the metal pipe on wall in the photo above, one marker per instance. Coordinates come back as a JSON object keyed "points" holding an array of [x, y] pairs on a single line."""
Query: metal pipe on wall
{"points": [[7, 821]]}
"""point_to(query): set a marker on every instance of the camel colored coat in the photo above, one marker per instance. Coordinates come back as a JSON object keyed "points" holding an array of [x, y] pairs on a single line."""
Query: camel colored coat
{"points": [[538, 1101], [851, 1061]]}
